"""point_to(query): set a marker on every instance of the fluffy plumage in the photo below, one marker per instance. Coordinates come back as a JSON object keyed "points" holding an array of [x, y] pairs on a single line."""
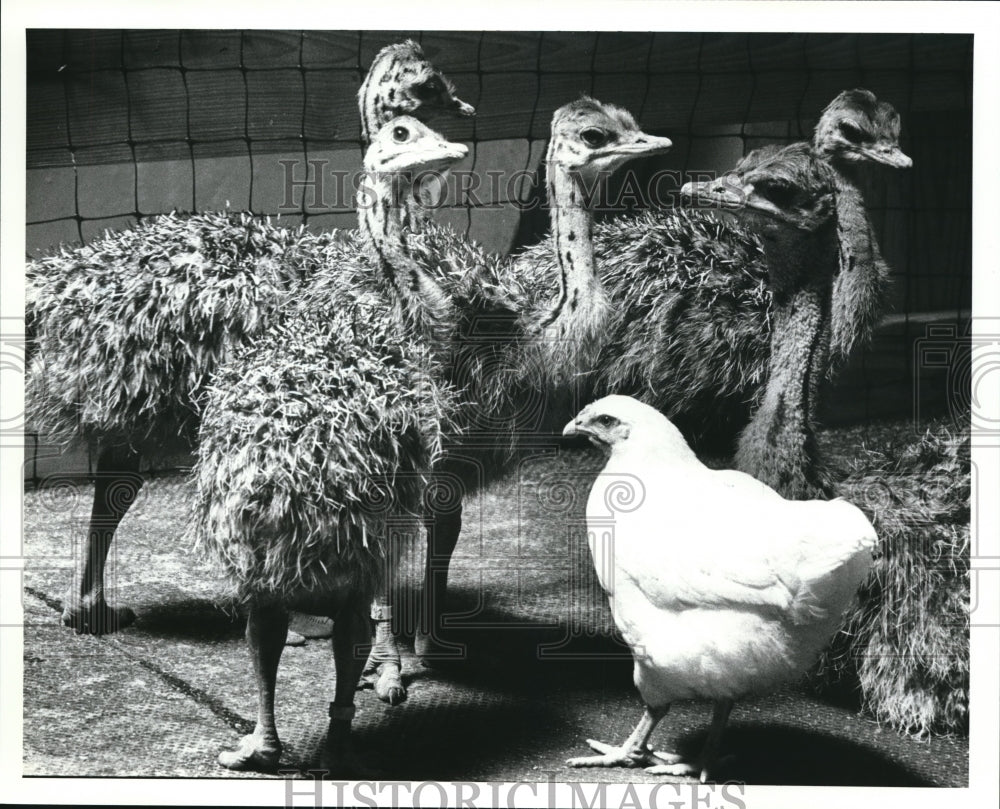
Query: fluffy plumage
{"points": [[721, 587], [312, 438], [124, 334], [905, 645], [128, 329]]}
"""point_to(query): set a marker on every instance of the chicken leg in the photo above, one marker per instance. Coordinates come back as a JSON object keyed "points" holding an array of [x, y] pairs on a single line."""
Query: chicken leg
{"points": [[709, 753], [634, 751]]}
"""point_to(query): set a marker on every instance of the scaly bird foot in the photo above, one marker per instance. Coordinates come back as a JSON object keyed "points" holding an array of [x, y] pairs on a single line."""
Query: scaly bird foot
{"points": [[387, 681], [612, 756], [703, 772], [96, 618], [679, 768], [253, 752]]}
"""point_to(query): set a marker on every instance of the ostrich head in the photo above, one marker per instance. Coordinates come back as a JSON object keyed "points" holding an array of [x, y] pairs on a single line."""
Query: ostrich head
{"points": [[405, 145], [773, 190], [856, 128], [787, 197], [401, 81], [591, 140]]}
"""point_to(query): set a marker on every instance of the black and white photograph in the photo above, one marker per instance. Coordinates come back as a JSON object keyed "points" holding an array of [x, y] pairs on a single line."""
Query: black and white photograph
{"points": [[592, 406]]}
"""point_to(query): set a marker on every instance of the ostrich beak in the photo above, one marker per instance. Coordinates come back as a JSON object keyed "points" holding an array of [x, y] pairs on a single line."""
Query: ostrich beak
{"points": [[889, 156], [644, 145], [724, 192], [459, 107]]}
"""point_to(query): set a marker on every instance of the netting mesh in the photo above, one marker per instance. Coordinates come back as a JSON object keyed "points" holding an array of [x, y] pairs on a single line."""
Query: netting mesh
{"points": [[126, 124]]}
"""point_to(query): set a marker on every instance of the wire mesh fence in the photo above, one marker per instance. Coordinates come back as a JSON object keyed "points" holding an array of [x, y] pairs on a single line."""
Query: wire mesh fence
{"points": [[126, 124]]}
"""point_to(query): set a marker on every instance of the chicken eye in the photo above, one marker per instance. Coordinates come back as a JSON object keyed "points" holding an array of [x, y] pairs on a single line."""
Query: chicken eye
{"points": [[606, 420], [594, 137], [851, 132], [400, 134]]}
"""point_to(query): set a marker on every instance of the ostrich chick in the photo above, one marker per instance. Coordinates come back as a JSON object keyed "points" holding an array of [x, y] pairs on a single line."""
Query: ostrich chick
{"points": [[787, 197], [719, 585], [315, 441], [855, 131]]}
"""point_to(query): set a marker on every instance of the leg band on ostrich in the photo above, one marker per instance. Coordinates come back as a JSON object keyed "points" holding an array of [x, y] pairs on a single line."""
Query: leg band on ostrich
{"points": [[383, 670], [351, 646]]}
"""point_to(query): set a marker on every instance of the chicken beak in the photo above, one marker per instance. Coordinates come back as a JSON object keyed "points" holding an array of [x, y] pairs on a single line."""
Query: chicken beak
{"points": [[571, 429]]}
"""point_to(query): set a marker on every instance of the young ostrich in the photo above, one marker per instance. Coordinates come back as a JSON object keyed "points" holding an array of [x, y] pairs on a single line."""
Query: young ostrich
{"points": [[315, 442], [128, 330], [492, 323], [788, 199], [855, 131], [677, 290]]}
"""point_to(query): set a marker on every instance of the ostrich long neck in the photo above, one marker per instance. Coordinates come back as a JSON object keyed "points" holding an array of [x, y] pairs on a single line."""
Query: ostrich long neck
{"points": [[780, 439], [578, 315], [384, 223], [860, 286]]}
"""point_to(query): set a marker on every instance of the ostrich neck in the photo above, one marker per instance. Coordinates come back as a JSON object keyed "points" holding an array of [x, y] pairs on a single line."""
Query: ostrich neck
{"points": [[574, 323], [384, 222], [573, 241], [858, 245], [860, 286], [778, 446]]}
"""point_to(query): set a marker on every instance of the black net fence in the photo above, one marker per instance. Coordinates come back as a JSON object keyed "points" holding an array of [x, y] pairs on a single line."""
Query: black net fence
{"points": [[126, 124]]}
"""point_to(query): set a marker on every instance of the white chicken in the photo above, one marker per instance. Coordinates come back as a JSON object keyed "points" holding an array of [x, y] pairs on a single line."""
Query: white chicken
{"points": [[720, 586]]}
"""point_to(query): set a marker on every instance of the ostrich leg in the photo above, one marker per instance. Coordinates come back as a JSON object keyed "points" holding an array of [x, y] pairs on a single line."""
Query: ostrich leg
{"points": [[383, 670], [351, 646], [443, 530], [115, 489], [267, 626]]}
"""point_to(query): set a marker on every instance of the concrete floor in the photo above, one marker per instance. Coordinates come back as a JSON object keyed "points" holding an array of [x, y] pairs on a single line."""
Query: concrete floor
{"points": [[164, 696]]}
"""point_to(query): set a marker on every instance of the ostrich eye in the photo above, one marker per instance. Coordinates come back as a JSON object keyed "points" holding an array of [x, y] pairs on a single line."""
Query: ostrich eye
{"points": [[851, 132], [428, 90], [400, 134], [594, 137], [776, 191]]}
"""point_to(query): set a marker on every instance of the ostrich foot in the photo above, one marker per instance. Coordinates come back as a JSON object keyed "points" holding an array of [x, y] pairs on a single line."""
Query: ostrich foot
{"points": [[386, 679], [94, 616], [254, 752], [612, 756]]}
